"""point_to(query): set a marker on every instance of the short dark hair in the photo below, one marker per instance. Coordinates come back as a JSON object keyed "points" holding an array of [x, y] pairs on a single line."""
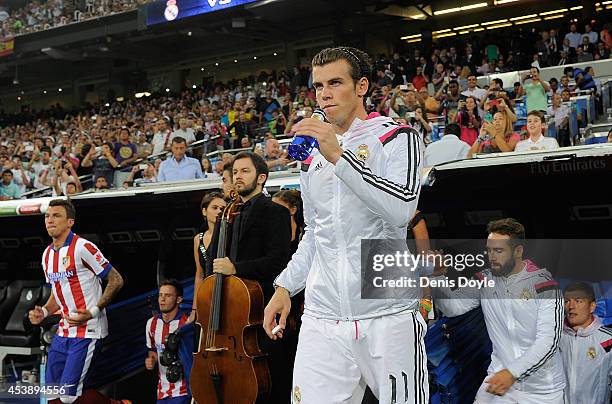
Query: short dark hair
{"points": [[178, 139], [452, 129], [537, 113], [453, 81], [583, 287], [208, 198], [47, 149], [568, 69], [534, 67], [260, 164], [500, 82], [553, 80], [67, 205], [359, 61], [7, 171], [508, 227], [174, 283]]}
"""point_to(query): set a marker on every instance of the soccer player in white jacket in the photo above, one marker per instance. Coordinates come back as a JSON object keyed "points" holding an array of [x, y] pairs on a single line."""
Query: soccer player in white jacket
{"points": [[362, 183], [523, 312], [585, 348]]}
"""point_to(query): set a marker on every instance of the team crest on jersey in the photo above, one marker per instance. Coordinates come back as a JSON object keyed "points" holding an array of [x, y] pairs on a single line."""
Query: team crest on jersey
{"points": [[526, 295], [99, 258], [297, 395], [591, 353], [66, 261], [363, 153]]}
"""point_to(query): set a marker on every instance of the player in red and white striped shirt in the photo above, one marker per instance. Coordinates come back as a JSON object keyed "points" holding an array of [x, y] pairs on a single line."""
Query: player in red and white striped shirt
{"points": [[74, 268], [158, 328]]}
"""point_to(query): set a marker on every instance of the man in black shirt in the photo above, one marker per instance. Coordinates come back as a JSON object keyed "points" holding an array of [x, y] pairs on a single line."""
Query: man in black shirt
{"points": [[242, 130], [261, 241], [266, 105]]}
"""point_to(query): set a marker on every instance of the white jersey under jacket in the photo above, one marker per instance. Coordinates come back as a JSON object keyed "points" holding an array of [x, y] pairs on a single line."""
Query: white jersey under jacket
{"points": [[371, 193]]}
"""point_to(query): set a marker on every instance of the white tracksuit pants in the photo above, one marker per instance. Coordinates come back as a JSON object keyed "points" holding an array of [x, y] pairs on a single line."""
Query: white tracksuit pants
{"points": [[336, 360], [514, 396]]}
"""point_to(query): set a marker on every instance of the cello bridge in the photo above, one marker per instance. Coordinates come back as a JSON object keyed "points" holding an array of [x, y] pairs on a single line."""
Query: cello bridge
{"points": [[215, 349]]}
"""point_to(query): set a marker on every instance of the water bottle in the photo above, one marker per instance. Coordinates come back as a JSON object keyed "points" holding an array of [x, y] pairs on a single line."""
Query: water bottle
{"points": [[302, 146]]}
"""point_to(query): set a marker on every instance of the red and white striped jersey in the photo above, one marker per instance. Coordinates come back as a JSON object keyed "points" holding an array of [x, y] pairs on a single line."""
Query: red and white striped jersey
{"points": [[75, 273], [156, 332]]}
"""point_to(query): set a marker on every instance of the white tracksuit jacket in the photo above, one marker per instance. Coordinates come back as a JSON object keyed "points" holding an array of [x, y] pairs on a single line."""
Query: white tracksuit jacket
{"points": [[587, 359], [524, 317], [371, 193]]}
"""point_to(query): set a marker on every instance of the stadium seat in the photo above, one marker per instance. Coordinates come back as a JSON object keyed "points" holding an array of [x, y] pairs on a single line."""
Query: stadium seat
{"points": [[21, 297]]}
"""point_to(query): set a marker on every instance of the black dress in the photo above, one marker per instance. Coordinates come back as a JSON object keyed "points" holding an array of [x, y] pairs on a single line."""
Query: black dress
{"points": [[202, 254]]}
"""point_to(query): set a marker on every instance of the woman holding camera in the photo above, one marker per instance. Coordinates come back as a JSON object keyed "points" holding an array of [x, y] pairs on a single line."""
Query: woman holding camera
{"points": [[468, 119], [495, 137]]}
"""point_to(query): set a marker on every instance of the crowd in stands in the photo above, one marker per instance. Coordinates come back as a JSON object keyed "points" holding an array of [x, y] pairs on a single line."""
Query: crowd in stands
{"points": [[149, 139], [41, 15]]}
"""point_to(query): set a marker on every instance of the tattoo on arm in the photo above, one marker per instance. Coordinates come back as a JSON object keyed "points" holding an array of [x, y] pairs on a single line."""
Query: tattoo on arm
{"points": [[115, 283]]}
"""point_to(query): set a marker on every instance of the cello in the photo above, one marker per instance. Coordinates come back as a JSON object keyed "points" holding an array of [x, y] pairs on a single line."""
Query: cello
{"points": [[229, 367]]}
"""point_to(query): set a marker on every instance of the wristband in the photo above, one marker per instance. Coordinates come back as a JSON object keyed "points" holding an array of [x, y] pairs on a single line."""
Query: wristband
{"points": [[426, 305], [94, 311], [45, 312]]}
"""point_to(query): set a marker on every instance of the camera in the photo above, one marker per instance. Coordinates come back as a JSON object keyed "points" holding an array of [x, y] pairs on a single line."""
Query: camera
{"points": [[404, 88], [301, 113], [492, 97], [142, 166], [411, 114]]}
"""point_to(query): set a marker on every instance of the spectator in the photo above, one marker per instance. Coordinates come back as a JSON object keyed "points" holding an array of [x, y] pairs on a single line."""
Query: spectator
{"points": [[179, 167], [219, 164], [536, 141], [569, 50], [419, 123], [143, 148], [64, 175], [536, 90], [560, 113], [275, 158], [241, 130], [587, 47], [565, 95], [449, 100], [474, 91], [125, 153], [469, 120], [8, 189], [420, 80], [184, 131], [207, 167], [554, 87], [584, 81], [267, 104], [564, 84], [383, 77], [494, 137], [563, 58], [463, 78], [574, 37], [101, 185], [517, 91], [602, 51], [146, 174], [582, 57], [430, 105], [102, 161], [591, 35], [439, 78], [162, 137], [20, 176], [403, 100], [39, 164], [449, 148]]}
